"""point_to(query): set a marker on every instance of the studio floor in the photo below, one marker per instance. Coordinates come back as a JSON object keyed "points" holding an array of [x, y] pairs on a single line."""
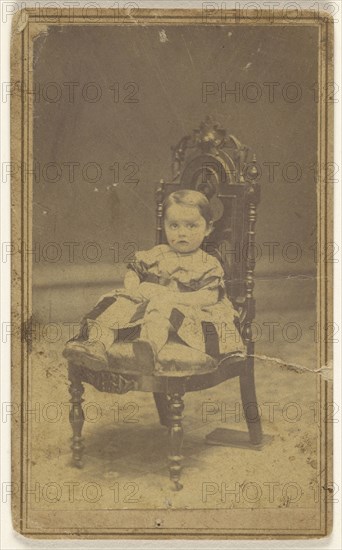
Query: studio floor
{"points": [[125, 457]]}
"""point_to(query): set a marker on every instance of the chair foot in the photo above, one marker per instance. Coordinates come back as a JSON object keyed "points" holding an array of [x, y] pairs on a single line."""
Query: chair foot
{"points": [[250, 406], [176, 407], [235, 438], [76, 418]]}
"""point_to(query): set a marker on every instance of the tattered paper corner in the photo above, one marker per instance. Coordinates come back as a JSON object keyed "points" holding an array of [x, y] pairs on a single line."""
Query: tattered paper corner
{"points": [[20, 22]]}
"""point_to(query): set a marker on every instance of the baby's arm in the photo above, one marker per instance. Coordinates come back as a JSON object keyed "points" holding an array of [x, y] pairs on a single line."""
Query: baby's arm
{"points": [[203, 297], [131, 281], [141, 290]]}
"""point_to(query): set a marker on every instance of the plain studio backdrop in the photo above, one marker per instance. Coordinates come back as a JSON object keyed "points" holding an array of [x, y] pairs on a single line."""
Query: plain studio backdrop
{"points": [[110, 102]]}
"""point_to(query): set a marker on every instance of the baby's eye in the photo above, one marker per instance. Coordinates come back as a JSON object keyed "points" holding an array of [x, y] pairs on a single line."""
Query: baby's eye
{"points": [[192, 225], [173, 225]]}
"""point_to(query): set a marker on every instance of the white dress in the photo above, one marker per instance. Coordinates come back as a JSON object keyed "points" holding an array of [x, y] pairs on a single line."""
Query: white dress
{"points": [[211, 329]]}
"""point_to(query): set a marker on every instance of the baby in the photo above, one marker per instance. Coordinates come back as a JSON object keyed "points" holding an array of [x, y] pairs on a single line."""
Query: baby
{"points": [[171, 287]]}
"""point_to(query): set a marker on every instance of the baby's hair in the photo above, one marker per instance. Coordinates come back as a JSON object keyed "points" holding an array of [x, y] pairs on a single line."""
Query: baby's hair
{"points": [[188, 197]]}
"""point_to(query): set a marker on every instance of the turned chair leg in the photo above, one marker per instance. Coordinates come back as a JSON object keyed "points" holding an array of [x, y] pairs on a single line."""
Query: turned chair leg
{"points": [[161, 402], [250, 405], [176, 407], [76, 418]]}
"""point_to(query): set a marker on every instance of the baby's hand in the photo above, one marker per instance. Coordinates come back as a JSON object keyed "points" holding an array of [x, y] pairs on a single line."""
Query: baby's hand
{"points": [[152, 290], [148, 290], [136, 295]]}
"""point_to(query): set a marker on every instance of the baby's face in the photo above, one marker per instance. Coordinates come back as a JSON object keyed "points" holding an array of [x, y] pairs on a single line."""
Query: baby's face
{"points": [[185, 228]]}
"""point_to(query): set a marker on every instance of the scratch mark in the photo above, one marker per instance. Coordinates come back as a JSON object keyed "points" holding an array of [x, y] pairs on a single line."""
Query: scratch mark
{"points": [[189, 54], [156, 68], [325, 371]]}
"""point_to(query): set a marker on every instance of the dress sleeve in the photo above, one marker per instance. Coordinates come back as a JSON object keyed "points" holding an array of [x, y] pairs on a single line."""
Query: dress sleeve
{"points": [[142, 263], [212, 278], [137, 265]]}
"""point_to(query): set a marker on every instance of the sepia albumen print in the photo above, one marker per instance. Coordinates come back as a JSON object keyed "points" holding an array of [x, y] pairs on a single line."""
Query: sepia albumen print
{"points": [[172, 271]]}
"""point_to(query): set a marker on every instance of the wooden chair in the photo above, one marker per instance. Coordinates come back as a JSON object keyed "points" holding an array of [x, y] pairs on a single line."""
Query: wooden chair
{"points": [[216, 164]]}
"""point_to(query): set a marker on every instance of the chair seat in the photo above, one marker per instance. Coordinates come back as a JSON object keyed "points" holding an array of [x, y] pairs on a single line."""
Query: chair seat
{"points": [[175, 359]]}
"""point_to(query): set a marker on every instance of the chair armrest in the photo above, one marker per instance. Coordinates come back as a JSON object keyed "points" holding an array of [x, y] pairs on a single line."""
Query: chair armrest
{"points": [[240, 304]]}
